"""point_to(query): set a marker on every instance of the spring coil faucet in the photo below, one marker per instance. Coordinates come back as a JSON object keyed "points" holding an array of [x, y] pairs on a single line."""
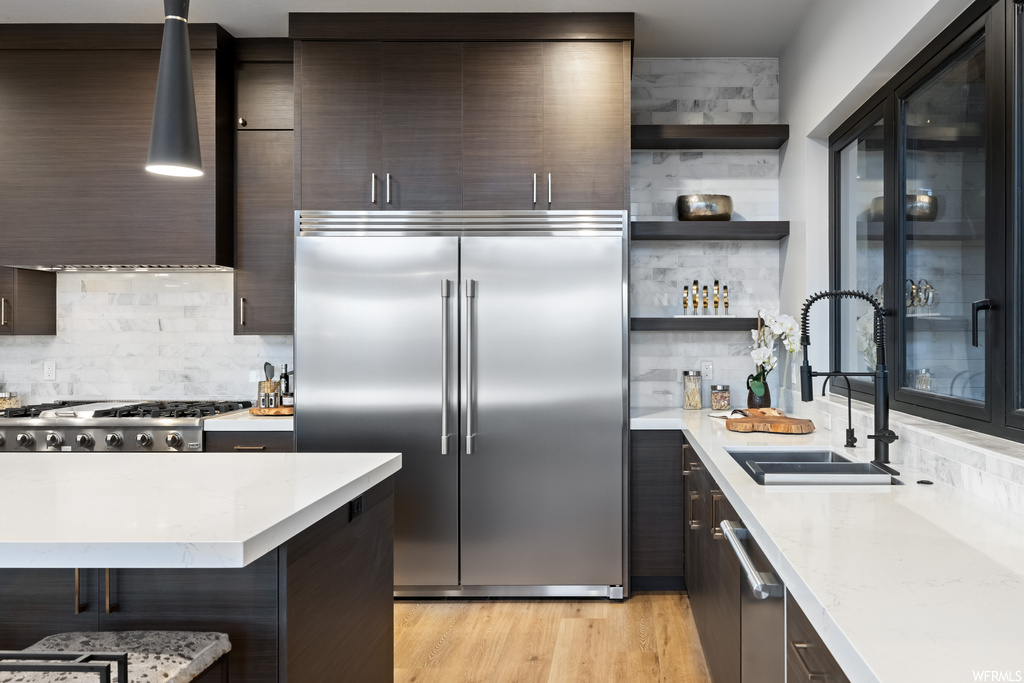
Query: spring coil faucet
{"points": [[883, 436]]}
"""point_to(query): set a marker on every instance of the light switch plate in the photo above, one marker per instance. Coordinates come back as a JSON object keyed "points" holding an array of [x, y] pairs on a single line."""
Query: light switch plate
{"points": [[49, 370], [707, 370]]}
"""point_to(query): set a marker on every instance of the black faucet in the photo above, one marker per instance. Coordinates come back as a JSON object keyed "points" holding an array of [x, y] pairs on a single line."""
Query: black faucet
{"points": [[883, 436]]}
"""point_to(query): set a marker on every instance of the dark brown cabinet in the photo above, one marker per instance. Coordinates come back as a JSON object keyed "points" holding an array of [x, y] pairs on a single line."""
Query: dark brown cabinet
{"points": [[655, 510], [544, 125], [807, 657], [223, 442], [74, 126], [28, 302], [586, 124], [264, 275], [381, 126]]}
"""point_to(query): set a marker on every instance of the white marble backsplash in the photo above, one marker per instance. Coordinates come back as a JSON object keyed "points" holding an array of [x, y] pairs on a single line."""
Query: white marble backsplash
{"points": [[981, 465], [701, 91], [140, 335]]}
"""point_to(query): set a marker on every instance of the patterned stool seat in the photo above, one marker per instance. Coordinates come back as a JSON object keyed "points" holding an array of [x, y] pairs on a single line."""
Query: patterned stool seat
{"points": [[153, 656]]}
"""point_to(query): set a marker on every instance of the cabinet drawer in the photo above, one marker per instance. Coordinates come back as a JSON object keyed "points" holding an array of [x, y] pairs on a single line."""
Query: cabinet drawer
{"points": [[221, 442], [807, 658]]}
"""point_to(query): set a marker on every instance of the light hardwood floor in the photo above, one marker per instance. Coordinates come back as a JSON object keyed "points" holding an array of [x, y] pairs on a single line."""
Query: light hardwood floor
{"points": [[650, 637]]}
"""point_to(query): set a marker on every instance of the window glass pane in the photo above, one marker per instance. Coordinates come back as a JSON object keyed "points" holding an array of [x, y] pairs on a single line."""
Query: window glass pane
{"points": [[861, 182], [944, 155]]}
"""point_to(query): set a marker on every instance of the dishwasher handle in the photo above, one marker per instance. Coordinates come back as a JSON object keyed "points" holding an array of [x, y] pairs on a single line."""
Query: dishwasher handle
{"points": [[763, 584]]}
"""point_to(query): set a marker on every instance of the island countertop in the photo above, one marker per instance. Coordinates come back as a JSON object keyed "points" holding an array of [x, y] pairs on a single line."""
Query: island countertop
{"points": [[903, 583], [170, 510]]}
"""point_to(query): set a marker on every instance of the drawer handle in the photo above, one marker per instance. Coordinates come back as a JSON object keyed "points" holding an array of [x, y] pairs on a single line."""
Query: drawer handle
{"points": [[111, 606], [79, 605], [762, 584], [798, 650], [250, 448], [694, 523], [716, 531]]}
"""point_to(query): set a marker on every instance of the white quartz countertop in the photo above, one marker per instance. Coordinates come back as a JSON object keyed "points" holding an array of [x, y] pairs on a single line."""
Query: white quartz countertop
{"points": [[904, 583], [243, 421], [170, 510]]}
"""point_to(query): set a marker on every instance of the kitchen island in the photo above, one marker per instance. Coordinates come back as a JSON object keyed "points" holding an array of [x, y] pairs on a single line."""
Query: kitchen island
{"points": [[290, 554], [907, 582]]}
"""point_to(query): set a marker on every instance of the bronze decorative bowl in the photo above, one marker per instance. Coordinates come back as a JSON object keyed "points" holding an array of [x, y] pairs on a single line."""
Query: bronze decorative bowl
{"points": [[920, 207], [704, 207]]}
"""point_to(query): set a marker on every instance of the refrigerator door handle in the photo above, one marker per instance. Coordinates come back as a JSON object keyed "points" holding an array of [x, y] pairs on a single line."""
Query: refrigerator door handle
{"points": [[446, 293], [470, 392]]}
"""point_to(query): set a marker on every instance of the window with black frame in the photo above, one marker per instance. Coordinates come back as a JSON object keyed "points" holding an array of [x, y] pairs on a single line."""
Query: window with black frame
{"points": [[920, 179]]}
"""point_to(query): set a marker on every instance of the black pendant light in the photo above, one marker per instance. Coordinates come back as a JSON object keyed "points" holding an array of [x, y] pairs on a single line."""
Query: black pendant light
{"points": [[174, 139]]}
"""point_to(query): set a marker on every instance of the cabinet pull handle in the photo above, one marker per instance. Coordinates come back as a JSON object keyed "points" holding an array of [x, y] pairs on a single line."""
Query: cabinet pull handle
{"points": [[250, 448], [111, 606], [980, 305], [535, 190], [687, 472], [373, 188], [798, 650], [387, 188], [762, 584], [694, 523], [3, 311], [446, 293], [470, 374], [241, 311], [716, 530], [79, 605], [549, 190]]}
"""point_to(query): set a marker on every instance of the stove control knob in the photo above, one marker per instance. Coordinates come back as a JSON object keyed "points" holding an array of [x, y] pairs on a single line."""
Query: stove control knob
{"points": [[173, 440], [114, 440], [144, 440], [54, 440], [85, 440], [25, 440]]}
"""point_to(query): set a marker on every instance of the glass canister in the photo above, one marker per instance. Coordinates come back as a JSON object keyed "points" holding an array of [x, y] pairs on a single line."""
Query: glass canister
{"points": [[720, 398], [9, 400], [691, 390]]}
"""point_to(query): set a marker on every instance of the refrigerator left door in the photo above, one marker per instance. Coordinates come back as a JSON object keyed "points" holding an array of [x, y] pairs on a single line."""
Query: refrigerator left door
{"points": [[372, 323]]}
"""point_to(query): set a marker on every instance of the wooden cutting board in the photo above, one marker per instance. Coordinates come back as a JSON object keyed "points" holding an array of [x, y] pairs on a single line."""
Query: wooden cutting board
{"points": [[769, 420]]}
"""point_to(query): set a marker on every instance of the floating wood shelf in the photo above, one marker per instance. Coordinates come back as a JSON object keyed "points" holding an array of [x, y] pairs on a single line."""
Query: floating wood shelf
{"points": [[742, 136], [709, 230], [696, 323]]}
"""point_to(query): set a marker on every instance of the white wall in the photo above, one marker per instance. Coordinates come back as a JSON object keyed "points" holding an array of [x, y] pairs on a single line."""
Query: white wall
{"points": [[842, 53]]}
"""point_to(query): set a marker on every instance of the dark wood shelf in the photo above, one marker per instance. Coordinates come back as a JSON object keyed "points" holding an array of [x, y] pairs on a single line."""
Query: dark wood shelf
{"points": [[696, 323], [709, 230], [743, 136]]}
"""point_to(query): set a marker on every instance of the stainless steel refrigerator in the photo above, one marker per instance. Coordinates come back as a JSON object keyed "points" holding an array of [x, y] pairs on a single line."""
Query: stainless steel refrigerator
{"points": [[489, 348]]}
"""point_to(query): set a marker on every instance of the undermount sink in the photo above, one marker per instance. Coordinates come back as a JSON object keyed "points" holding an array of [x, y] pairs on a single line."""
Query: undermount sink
{"points": [[789, 466]]}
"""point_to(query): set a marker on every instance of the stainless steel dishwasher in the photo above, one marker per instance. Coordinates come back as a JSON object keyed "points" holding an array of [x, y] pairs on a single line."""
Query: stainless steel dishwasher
{"points": [[762, 610]]}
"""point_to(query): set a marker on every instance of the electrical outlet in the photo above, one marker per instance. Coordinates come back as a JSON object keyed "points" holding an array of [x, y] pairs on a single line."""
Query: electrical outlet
{"points": [[707, 370], [49, 370], [355, 508]]}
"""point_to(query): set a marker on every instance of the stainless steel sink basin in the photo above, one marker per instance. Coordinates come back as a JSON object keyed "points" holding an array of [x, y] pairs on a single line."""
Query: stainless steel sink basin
{"points": [[789, 466]]}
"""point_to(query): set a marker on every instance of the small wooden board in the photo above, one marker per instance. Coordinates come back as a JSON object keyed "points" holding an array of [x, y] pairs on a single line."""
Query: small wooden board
{"points": [[769, 420], [280, 410]]}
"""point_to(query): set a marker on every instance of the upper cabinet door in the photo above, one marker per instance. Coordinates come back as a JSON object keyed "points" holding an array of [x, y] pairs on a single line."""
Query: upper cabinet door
{"points": [[340, 129], [422, 98], [74, 129], [503, 126], [586, 125], [265, 97]]}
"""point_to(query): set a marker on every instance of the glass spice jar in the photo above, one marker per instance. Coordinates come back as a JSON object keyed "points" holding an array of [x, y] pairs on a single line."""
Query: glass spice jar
{"points": [[691, 390], [9, 400], [720, 398]]}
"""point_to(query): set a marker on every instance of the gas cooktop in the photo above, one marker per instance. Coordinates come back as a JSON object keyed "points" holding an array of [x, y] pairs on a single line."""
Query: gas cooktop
{"points": [[110, 425]]}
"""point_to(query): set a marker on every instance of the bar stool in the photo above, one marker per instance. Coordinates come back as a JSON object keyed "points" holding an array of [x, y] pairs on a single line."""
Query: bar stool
{"points": [[139, 656]]}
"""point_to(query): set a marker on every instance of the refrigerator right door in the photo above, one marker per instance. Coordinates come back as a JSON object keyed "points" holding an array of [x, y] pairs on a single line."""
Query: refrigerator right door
{"points": [[543, 416]]}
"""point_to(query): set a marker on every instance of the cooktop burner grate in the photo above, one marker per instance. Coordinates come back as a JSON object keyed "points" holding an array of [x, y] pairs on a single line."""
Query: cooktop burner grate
{"points": [[35, 410], [175, 409]]}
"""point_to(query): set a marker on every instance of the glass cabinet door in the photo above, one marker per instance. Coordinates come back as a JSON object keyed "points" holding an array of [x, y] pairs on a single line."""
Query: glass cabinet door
{"points": [[859, 170], [944, 225]]}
